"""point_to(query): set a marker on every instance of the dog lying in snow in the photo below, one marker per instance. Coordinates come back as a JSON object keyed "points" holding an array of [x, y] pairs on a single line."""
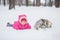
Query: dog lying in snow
{"points": [[43, 23]]}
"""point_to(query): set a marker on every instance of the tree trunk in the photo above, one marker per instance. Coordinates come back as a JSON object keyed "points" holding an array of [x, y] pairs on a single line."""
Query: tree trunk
{"points": [[26, 2], [45, 3], [4, 2], [38, 3], [0, 2], [33, 2], [11, 4], [57, 3], [50, 2], [7, 1], [20, 2]]}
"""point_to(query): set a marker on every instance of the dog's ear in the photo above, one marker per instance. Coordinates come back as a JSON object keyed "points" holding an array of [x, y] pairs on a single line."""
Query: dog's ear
{"points": [[47, 21], [41, 17]]}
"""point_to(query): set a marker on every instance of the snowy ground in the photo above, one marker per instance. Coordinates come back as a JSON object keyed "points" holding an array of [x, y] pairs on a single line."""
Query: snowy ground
{"points": [[33, 14]]}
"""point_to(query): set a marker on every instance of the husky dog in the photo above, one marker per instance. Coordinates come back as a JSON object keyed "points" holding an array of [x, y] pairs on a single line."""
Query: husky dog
{"points": [[43, 23]]}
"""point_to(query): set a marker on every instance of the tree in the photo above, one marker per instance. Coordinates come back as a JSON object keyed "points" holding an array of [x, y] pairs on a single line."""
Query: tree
{"points": [[27, 2], [50, 2], [11, 4], [57, 3], [4, 3], [38, 3], [33, 2], [0, 1], [45, 2]]}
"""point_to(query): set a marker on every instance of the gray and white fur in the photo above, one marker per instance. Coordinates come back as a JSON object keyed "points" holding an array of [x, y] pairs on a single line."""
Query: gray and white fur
{"points": [[39, 23]]}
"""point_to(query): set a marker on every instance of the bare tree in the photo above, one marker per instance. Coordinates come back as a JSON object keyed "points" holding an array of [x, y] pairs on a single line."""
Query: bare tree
{"points": [[57, 3], [27, 2], [4, 3], [33, 2], [7, 1], [50, 2], [45, 2], [0, 1], [36, 3], [11, 4], [20, 2]]}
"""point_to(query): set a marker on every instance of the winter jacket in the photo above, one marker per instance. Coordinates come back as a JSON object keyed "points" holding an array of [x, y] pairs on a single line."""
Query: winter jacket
{"points": [[18, 26]]}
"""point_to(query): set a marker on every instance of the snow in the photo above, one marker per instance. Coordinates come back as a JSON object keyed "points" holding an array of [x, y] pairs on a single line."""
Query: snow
{"points": [[33, 15]]}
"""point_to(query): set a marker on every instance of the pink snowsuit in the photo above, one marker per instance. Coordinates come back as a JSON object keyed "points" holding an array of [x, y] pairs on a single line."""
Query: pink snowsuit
{"points": [[18, 26]]}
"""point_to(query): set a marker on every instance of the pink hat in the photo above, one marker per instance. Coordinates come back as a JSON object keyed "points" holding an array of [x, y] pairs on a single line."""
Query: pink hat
{"points": [[23, 16], [23, 19]]}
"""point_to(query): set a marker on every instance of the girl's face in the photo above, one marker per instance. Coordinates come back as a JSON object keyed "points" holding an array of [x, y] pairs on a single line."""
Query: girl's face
{"points": [[23, 22]]}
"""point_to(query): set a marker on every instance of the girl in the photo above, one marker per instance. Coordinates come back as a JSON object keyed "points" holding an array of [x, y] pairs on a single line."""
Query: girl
{"points": [[21, 24]]}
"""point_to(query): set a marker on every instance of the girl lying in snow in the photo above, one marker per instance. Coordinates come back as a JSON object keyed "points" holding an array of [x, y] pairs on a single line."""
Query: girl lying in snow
{"points": [[21, 24], [43, 23]]}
